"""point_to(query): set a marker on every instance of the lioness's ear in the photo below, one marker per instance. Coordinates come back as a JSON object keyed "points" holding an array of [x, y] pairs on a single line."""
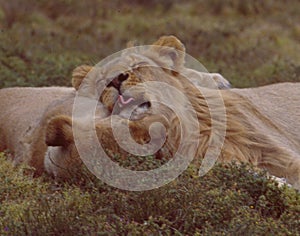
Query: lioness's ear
{"points": [[79, 73], [59, 131], [172, 48]]}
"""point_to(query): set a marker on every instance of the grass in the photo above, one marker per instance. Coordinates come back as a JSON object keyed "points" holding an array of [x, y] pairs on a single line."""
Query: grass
{"points": [[251, 43]]}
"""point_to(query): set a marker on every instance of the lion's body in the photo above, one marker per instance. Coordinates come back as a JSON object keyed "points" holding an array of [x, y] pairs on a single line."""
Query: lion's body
{"points": [[261, 124], [262, 127], [280, 106], [274, 114], [21, 111], [25, 114]]}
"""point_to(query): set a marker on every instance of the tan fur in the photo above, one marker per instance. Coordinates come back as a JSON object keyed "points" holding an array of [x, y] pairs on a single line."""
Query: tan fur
{"points": [[62, 158], [262, 124], [21, 112], [24, 121], [36, 128]]}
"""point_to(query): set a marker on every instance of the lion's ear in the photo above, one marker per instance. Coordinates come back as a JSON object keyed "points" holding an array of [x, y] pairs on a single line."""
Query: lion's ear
{"points": [[79, 73], [172, 48], [59, 131]]}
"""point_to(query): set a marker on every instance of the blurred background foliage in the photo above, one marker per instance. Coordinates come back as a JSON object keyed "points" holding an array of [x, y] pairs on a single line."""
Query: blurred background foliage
{"points": [[251, 43]]}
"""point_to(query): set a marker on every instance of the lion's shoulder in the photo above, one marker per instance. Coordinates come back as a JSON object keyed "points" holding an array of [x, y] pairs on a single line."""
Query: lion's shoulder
{"points": [[22, 112]]}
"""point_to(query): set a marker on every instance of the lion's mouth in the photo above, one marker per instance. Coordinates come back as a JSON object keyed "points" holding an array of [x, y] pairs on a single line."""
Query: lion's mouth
{"points": [[131, 108], [128, 106]]}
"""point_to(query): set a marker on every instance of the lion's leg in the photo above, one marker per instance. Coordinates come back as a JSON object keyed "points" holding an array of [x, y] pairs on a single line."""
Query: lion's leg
{"points": [[283, 165], [293, 173]]}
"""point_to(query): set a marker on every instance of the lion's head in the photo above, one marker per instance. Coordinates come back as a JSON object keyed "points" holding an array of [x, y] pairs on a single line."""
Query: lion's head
{"points": [[122, 82], [71, 141]]}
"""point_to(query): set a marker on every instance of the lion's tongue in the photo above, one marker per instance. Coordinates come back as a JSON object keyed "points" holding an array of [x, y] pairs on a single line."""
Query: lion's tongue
{"points": [[123, 101]]}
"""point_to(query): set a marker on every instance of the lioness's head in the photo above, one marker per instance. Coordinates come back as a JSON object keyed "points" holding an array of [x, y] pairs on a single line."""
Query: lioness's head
{"points": [[66, 139], [124, 83]]}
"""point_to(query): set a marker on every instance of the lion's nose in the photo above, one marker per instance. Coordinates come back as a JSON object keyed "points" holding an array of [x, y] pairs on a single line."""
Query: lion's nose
{"points": [[116, 82]]}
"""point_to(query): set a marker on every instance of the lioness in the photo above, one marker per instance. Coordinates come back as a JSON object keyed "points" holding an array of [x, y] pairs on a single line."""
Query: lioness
{"points": [[36, 128], [261, 124], [24, 117]]}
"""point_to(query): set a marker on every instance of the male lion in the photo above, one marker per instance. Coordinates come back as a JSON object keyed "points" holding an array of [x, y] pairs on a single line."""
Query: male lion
{"points": [[261, 125]]}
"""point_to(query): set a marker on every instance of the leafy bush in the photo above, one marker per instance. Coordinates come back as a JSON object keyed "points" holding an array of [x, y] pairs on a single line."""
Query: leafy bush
{"points": [[228, 200]]}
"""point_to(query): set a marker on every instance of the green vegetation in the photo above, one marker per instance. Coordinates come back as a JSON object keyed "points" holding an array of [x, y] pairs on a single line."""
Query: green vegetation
{"points": [[231, 200], [251, 43]]}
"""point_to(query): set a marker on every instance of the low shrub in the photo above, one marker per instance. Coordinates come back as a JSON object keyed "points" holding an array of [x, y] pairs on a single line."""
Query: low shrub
{"points": [[231, 200]]}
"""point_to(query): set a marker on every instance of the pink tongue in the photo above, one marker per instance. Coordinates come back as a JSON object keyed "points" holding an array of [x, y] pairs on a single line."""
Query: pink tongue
{"points": [[124, 102]]}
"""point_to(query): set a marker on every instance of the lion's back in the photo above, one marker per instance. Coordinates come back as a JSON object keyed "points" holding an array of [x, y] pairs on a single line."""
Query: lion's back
{"points": [[280, 106], [21, 109]]}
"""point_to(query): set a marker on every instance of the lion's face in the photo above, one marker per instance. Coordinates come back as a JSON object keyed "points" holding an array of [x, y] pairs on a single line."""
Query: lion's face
{"points": [[130, 93]]}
